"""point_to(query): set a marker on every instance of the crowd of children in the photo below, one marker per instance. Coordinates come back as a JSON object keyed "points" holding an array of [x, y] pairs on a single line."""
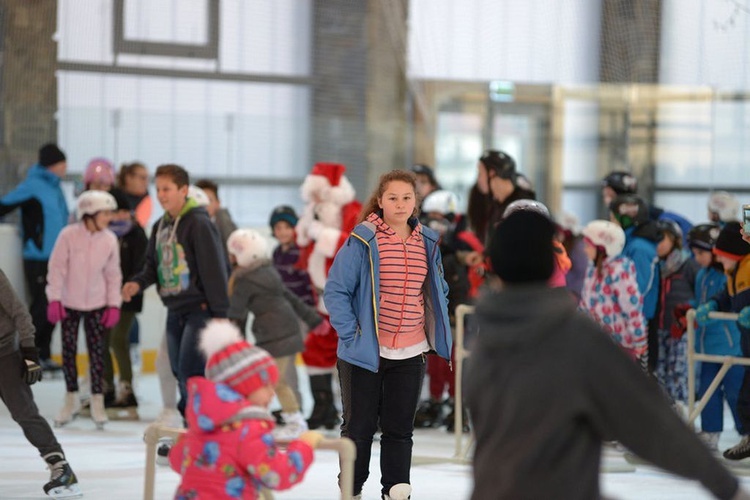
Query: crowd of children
{"points": [[373, 303]]}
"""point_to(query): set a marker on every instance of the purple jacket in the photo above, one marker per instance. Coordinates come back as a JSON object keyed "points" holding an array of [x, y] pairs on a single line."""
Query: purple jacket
{"points": [[296, 280]]}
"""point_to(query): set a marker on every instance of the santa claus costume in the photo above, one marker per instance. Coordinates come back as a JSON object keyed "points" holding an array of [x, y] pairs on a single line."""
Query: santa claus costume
{"points": [[329, 215]]}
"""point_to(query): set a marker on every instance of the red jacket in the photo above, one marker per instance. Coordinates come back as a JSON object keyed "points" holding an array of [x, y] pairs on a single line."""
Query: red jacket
{"points": [[229, 451]]}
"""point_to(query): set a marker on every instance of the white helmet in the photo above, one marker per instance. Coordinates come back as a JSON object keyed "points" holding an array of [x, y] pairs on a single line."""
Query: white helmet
{"points": [[199, 195], [91, 202], [530, 205], [440, 201], [247, 246], [569, 222], [607, 235], [724, 205]]}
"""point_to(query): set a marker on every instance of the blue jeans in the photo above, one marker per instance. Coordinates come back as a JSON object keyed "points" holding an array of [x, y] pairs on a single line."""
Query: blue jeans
{"points": [[389, 396], [712, 416], [186, 360]]}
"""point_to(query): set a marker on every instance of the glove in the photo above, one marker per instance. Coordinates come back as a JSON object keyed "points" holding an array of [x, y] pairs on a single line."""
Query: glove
{"points": [[316, 227], [313, 438], [744, 318], [32, 371], [701, 314], [679, 326], [110, 317], [55, 312]]}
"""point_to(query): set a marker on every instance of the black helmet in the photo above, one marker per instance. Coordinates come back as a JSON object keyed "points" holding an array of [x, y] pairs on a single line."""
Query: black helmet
{"points": [[621, 182], [704, 236], [629, 210], [670, 227], [501, 163], [285, 213]]}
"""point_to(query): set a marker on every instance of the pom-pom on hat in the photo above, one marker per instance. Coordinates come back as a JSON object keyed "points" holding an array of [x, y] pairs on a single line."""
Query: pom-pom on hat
{"points": [[247, 246], [234, 361], [521, 248], [49, 154], [730, 243]]}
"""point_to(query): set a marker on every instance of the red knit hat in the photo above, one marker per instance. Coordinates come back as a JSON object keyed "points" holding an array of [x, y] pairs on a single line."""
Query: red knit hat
{"points": [[235, 362], [331, 171]]}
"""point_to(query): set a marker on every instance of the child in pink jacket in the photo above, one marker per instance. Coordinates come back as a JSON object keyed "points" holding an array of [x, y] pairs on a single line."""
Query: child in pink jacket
{"points": [[229, 450], [83, 281]]}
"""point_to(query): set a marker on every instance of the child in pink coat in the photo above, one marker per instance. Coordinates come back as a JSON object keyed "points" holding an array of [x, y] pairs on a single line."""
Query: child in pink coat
{"points": [[229, 449], [83, 281]]}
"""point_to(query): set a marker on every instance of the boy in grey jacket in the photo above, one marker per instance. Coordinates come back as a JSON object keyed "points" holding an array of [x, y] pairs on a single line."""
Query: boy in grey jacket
{"points": [[19, 368]]}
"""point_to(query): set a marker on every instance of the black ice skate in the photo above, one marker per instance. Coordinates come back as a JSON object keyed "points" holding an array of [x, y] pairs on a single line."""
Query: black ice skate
{"points": [[63, 482], [125, 407], [162, 451], [429, 414]]}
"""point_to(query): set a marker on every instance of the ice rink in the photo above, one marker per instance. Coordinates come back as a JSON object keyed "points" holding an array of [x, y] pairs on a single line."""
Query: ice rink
{"points": [[110, 463]]}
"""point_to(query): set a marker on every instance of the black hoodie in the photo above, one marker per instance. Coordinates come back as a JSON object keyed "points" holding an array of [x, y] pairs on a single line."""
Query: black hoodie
{"points": [[545, 386]]}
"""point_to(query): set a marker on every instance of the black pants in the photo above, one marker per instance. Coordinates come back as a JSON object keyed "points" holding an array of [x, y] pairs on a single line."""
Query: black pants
{"points": [[390, 396], [17, 396], [36, 282]]}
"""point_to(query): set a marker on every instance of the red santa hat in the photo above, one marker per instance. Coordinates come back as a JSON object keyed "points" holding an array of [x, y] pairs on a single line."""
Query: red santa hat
{"points": [[328, 181]]}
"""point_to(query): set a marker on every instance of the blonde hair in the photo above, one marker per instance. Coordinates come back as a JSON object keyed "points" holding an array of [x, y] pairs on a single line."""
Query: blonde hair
{"points": [[394, 175]]}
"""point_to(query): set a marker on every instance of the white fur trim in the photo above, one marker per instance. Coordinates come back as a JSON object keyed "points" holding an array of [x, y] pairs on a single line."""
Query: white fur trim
{"points": [[322, 306], [343, 193], [329, 214], [218, 334], [313, 184], [328, 242], [316, 268]]}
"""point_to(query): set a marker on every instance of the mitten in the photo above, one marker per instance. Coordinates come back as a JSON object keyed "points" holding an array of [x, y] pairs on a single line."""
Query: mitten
{"points": [[744, 318], [313, 438], [110, 317], [680, 310], [701, 314], [32, 372], [55, 312]]}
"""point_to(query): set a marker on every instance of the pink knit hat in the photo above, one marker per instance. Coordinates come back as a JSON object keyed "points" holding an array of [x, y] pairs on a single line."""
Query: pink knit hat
{"points": [[235, 362]]}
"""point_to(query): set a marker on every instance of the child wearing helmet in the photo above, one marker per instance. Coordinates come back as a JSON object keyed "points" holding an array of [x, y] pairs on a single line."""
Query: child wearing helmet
{"points": [[83, 282], [677, 273], [722, 207], [255, 286], [721, 338], [99, 175], [610, 292]]}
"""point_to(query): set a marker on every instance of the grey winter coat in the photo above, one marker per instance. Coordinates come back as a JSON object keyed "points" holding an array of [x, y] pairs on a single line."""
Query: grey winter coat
{"points": [[16, 328], [259, 289], [545, 386]]}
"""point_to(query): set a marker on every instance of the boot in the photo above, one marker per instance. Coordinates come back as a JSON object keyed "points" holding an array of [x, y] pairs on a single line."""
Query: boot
{"points": [[400, 491], [450, 419], [740, 450], [428, 414], [324, 412], [98, 413], [62, 481], [70, 410], [711, 440], [295, 425], [125, 407]]}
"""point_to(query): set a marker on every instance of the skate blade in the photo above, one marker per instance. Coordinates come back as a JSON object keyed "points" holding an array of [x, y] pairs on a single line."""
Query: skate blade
{"points": [[128, 414], [72, 491]]}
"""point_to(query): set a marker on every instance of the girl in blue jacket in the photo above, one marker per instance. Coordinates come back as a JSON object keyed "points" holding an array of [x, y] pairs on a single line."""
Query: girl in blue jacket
{"points": [[387, 300]]}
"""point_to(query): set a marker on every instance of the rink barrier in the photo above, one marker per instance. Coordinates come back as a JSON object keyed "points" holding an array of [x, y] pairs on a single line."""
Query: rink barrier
{"points": [[726, 363], [344, 446]]}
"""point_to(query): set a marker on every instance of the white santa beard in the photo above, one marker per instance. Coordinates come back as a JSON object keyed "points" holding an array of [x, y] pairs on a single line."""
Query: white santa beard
{"points": [[316, 267]]}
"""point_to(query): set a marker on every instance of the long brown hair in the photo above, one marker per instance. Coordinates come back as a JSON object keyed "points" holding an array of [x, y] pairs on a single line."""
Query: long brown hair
{"points": [[388, 177]]}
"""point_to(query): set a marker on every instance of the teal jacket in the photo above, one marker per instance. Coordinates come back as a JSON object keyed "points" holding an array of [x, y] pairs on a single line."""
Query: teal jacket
{"points": [[44, 211], [352, 291]]}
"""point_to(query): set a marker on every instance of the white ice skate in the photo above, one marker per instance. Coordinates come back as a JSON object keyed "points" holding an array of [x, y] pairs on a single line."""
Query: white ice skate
{"points": [[400, 491], [63, 482], [294, 425], [70, 410], [169, 417], [98, 413]]}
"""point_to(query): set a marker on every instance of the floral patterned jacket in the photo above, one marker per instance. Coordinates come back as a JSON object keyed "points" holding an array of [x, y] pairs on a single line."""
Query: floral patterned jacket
{"points": [[612, 299], [228, 451]]}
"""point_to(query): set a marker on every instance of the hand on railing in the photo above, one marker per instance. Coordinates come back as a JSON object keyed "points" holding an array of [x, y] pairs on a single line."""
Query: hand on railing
{"points": [[701, 314], [744, 318]]}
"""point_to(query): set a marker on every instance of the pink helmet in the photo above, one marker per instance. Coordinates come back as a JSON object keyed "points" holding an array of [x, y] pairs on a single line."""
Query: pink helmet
{"points": [[99, 170]]}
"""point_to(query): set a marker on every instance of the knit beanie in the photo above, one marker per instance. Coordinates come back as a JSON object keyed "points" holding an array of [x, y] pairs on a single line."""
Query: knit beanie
{"points": [[521, 250], [283, 213], [730, 243], [49, 154], [235, 362]]}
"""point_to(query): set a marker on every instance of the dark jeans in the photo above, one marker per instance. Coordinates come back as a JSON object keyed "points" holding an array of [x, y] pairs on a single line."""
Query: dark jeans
{"points": [[35, 272], [390, 396], [743, 399], [17, 396], [186, 360]]}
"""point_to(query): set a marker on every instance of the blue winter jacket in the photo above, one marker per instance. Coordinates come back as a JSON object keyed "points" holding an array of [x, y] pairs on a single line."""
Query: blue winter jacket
{"points": [[352, 291], [717, 336], [44, 211], [643, 254]]}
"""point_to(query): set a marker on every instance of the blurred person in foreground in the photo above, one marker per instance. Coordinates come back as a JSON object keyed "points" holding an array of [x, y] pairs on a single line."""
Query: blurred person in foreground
{"points": [[546, 389]]}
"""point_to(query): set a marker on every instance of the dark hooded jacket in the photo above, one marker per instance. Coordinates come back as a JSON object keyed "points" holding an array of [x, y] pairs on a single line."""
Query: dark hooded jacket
{"points": [[258, 289], [545, 386]]}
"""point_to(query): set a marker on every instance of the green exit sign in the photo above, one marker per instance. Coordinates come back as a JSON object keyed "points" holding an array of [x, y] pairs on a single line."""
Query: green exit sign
{"points": [[502, 91]]}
